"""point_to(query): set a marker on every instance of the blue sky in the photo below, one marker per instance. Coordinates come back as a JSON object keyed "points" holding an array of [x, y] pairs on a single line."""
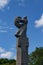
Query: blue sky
{"points": [[9, 9]]}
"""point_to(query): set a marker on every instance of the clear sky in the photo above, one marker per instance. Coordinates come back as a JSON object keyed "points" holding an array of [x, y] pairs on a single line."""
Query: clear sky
{"points": [[9, 9]]}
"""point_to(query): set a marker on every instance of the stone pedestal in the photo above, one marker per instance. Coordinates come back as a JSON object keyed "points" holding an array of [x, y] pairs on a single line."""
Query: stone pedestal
{"points": [[22, 51]]}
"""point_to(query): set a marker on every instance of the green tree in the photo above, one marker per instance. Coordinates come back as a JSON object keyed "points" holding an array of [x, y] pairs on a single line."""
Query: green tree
{"points": [[36, 57], [7, 61]]}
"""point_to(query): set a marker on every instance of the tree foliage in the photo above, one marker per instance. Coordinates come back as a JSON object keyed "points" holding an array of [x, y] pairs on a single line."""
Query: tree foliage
{"points": [[36, 57], [7, 62]]}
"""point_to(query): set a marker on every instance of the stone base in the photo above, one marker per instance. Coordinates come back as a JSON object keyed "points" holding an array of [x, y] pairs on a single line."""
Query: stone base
{"points": [[22, 51]]}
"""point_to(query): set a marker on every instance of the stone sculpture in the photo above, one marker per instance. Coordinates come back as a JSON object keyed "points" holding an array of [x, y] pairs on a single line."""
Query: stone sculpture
{"points": [[22, 41]]}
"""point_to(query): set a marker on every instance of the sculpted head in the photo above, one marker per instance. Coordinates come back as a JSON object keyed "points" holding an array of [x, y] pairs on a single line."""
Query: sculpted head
{"points": [[19, 22]]}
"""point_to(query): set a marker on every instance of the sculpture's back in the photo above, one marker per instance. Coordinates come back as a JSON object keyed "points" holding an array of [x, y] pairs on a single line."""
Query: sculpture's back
{"points": [[22, 41]]}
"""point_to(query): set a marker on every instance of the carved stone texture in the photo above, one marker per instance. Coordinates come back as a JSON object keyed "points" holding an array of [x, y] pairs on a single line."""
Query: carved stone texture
{"points": [[22, 41]]}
